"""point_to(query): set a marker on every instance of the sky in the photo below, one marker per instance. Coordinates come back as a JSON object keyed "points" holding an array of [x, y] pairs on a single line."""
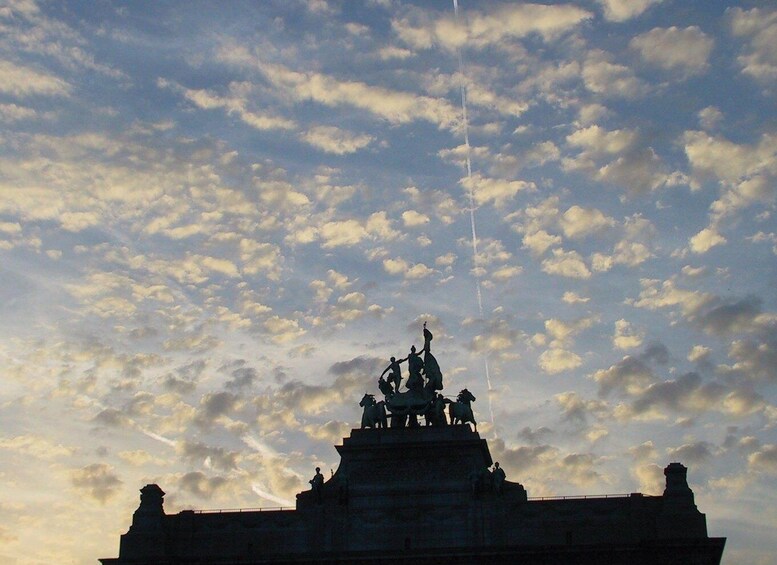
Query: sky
{"points": [[219, 220]]}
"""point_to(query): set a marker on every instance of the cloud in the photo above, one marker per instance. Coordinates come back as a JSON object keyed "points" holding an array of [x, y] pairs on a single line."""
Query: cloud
{"points": [[496, 339], [562, 332], [632, 375], [694, 453], [353, 378], [541, 466], [413, 219], [410, 272], [216, 457], [539, 242], [351, 232], [686, 50], [746, 173], [36, 446], [23, 82], [574, 298], [557, 360], [602, 76], [690, 301], [651, 478], [236, 102], [578, 222], [214, 405], [764, 460], [758, 27], [625, 336], [744, 315], [620, 157], [282, 330], [710, 117], [14, 112], [755, 359], [98, 480], [484, 29], [487, 190], [201, 485], [394, 106], [566, 264], [331, 139], [622, 10]]}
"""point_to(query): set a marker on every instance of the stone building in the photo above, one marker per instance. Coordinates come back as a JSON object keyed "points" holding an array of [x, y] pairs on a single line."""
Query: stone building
{"points": [[425, 495]]}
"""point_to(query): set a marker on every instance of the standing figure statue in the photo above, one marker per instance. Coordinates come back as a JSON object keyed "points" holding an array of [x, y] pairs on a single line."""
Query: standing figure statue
{"points": [[415, 382], [498, 477], [317, 485], [431, 367], [395, 376]]}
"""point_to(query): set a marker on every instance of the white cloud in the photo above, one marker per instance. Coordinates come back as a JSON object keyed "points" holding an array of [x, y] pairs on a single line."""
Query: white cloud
{"points": [[558, 360], [574, 298], [492, 190], [609, 79], [759, 28], [710, 117], [491, 28], [236, 102], [705, 240], [539, 242], [563, 332], [622, 10], [672, 48], [625, 336], [13, 112], [24, 81], [413, 219], [331, 139], [566, 264], [578, 222], [394, 106]]}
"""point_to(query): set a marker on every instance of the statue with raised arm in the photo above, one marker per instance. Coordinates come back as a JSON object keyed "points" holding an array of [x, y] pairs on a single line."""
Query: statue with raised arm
{"points": [[431, 367], [395, 376]]}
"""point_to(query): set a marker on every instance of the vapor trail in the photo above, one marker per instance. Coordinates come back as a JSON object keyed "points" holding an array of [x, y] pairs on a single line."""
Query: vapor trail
{"points": [[470, 193]]}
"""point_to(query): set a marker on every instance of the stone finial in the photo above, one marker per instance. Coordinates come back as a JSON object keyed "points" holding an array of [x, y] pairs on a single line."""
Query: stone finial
{"points": [[151, 508], [677, 480]]}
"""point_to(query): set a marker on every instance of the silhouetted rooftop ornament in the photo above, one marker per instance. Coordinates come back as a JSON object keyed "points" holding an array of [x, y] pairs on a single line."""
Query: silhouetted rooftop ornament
{"points": [[421, 396]]}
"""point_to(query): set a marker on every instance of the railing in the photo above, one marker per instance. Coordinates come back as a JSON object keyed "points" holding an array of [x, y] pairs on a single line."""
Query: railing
{"points": [[225, 510], [584, 496]]}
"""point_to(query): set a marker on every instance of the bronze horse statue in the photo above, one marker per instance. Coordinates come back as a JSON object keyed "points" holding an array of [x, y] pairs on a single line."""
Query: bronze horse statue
{"points": [[461, 411], [374, 415]]}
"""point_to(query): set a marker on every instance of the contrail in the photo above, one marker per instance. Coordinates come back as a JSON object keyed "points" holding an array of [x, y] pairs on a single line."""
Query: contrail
{"points": [[473, 227]]}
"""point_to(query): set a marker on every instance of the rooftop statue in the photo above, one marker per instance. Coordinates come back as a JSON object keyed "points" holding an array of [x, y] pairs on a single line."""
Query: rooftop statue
{"points": [[431, 368], [461, 411], [374, 415], [420, 397]]}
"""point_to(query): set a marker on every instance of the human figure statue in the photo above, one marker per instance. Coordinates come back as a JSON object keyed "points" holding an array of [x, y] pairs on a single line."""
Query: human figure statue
{"points": [[431, 367], [415, 365], [498, 477], [395, 376], [317, 484]]}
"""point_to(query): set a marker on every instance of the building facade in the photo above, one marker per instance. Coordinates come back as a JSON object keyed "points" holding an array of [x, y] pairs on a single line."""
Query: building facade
{"points": [[426, 494]]}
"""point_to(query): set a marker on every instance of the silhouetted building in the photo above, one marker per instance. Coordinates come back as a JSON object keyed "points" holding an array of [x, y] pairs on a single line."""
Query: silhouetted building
{"points": [[425, 495]]}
